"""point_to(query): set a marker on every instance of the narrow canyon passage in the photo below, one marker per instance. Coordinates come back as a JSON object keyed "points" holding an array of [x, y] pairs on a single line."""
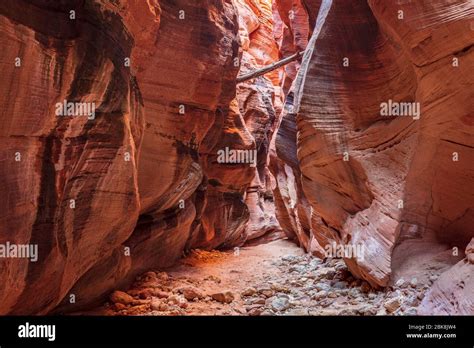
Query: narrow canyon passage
{"points": [[275, 278]]}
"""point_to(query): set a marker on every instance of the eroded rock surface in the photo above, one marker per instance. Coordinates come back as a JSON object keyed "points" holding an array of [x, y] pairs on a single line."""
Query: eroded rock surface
{"points": [[107, 198], [365, 179]]}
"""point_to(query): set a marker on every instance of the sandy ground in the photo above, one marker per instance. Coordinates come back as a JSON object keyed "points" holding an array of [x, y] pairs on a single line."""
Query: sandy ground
{"points": [[276, 278]]}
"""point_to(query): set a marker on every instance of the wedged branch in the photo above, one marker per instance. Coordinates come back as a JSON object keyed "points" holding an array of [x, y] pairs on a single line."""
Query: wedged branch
{"points": [[269, 68]]}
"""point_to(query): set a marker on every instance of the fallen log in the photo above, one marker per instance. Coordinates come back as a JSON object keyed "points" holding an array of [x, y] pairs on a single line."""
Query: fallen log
{"points": [[269, 68]]}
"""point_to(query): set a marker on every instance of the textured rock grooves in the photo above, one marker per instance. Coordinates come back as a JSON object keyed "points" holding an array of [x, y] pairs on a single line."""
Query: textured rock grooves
{"points": [[134, 188]]}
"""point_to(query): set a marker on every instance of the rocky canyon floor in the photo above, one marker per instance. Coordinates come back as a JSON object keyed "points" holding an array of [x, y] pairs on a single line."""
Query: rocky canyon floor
{"points": [[276, 278]]}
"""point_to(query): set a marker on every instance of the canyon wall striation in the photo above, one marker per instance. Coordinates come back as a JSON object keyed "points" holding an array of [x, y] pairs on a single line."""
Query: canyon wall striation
{"points": [[400, 187], [110, 196], [136, 184]]}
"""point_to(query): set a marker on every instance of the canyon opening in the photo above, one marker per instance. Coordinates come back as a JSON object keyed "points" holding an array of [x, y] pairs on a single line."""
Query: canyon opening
{"points": [[237, 158]]}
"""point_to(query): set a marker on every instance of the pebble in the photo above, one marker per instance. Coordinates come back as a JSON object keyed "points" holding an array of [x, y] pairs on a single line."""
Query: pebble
{"points": [[372, 296], [297, 312], [322, 286], [249, 292], [191, 293], [411, 311], [319, 295], [157, 305], [223, 297], [122, 297], [392, 304], [258, 300], [340, 285], [280, 304], [400, 283]]}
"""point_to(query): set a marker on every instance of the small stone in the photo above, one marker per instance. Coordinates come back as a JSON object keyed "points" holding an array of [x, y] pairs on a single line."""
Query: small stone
{"points": [[280, 304], [157, 305], [330, 312], [400, 283], [411, 311], [279, 288], [348, 311], [258, 300], [191, 293], [332, 295], [392, 304], [267, 292], [178, 301], [223, 297], [297, 312], [249, 292], [433, 278], [161, 294], [255, 311], [340, 285], [413, 282], [322, 286], [372, 296], [319, 295], [122, 297]]}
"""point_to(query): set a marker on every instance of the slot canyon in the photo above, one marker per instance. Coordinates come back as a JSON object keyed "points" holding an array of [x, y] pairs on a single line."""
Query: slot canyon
{"points": [[201, 184]]}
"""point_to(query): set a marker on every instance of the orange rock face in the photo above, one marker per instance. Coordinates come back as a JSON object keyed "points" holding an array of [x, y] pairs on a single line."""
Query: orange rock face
{"points": [[109, 197], [391, 184], [260, 103]]}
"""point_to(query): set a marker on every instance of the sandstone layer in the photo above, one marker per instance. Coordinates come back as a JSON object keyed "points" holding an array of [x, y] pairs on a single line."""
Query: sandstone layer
{"points": [[393, 185], [107, 198]]}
